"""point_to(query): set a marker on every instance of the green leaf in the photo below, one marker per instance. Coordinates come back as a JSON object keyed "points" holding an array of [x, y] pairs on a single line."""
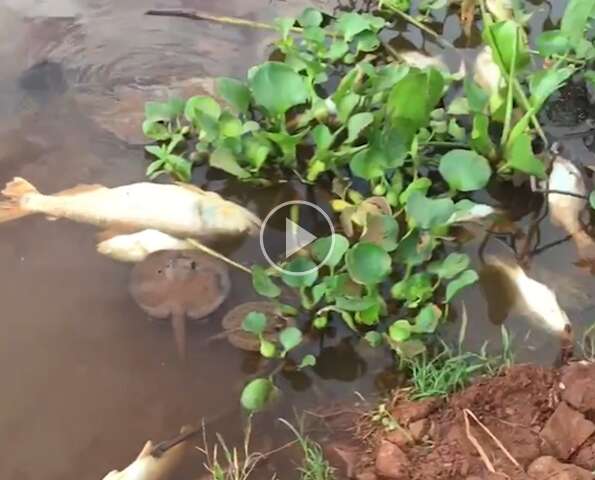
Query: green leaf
{"points": [[374, 339], [459, 106], [310, 17], [427, 319], [413, 98], [284, 26], [468, 277], [367, 164], [235, 93], [505, 36], [201, 105], [320, 322], [230, 126], [307, 361], [257, 394], [366, 41], [575, 19], [451, 266], [323, 138], [592, 200], [303, 273], [155, 130], [382, 230], [552, 42], [421, 185], [465, 170], [358, 123], [415, 249], [545, 82], [263, 284], [476, 96], [368, 264], [400, 330], [356, 304], [333, 246], [277, 87], [290, 338], [414, 290], [520, 157], [388, 75], [267, 349], [163, 111], [350, 24], [224, 159], [179, 167], [428, 213], [256, 150], [255, 322], [480, 136]]}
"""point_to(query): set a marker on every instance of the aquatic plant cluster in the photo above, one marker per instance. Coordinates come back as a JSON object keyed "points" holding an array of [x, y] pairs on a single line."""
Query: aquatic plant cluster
{"points": [[403, 146]]}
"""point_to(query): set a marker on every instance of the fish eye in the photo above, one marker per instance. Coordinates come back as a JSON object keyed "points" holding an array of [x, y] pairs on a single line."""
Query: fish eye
{"points": [[159, 271]]}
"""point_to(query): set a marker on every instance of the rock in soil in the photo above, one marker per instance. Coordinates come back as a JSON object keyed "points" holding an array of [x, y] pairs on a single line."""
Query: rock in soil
{"points": [[585, 457], [551, 469], [408, 411], [579, 386], [566, 431], [391, 462]]}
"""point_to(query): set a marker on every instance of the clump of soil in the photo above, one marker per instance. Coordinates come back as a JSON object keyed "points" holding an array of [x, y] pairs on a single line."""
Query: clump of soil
{"points": [[530, 422]]}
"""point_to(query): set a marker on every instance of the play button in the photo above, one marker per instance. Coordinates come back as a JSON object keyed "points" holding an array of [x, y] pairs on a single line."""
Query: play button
{"points": [[296, 238], [289, 229]]}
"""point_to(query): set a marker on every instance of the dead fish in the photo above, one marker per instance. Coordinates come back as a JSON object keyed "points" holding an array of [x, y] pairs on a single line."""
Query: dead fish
{"points": [[565, 210], [178, 209], [177, 284], [135, 247], [149, 467], [531, 298], [487, 73]]}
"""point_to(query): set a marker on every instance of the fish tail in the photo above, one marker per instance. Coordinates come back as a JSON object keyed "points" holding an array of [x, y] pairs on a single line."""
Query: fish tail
{"points": [[14, 190]]}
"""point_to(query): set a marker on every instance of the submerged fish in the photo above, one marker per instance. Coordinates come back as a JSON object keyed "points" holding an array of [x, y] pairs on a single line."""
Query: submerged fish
{"points": [[565, 210], [149, 467], [179, 284], [182, 210], [529, 297], [135, 247]]}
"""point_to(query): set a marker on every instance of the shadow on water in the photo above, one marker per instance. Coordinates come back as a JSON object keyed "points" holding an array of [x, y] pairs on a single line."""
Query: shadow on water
{"points": [[86, 379]]}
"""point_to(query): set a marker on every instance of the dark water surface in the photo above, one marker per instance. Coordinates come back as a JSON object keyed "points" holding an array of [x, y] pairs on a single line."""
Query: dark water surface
{"points": [[86, 380]]}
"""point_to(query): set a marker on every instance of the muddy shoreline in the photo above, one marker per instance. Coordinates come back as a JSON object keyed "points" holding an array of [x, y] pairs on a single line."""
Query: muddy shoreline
{"points": [[528, 422]]}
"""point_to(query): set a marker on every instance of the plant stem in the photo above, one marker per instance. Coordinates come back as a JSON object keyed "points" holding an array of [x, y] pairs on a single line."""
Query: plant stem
{"points": [[196, 15], [422, 27], [213, 253], [509, 96]]}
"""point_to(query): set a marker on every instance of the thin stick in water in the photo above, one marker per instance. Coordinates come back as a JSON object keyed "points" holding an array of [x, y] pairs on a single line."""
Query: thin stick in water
{"points": [[213, 253]]}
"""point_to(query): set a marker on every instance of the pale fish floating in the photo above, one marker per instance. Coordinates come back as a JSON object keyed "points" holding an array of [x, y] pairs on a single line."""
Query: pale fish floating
{"points": [[565, 210], [178, 209], [150, 467], [135, 247], [487, 73], [532, 299]]}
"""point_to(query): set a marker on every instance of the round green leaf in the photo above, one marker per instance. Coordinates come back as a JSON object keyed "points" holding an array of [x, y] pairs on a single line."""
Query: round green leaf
{"points": [[415, 289], [310, 17], [263, 284], [307, 361], [224, 159], [368, 264], [255, 322], [290, 338], [374, 339], [320, 322], [267, 349], [300, 272], [382, 230], [400, 331], [257, 394], [427, 319], [201, 105], [468, 277], [235, 93], [357, 124], [428, 213], [277, 87], [465, 170], [451, 266], [321, 248], [552, 42]]}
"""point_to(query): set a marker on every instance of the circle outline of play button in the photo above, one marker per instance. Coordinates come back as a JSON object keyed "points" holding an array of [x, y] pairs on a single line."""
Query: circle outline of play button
{"points": [[276, 209]]}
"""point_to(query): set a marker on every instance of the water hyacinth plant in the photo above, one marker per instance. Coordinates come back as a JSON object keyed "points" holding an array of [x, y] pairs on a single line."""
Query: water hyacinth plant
{"points": [[339, 105]]}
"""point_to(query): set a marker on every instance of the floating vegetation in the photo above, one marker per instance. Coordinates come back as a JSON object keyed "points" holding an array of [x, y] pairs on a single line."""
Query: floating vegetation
{"points": [[404, 148]]}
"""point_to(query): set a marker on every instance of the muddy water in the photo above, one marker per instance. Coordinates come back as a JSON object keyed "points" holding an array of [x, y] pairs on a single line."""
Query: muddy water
{"points": [[85, 378]]}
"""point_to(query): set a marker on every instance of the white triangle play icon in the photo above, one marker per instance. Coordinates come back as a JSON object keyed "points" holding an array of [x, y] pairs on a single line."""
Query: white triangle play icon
{"points": [[296, 237]]}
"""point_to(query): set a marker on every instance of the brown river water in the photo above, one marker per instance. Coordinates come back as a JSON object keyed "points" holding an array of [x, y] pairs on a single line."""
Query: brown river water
{"points": [[86, 379]]}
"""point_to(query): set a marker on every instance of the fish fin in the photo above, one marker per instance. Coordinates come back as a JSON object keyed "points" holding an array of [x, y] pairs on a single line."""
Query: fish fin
{"points": [[11, 211], [179, 324], [78, 189], [18, 187], [51, 219]]}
